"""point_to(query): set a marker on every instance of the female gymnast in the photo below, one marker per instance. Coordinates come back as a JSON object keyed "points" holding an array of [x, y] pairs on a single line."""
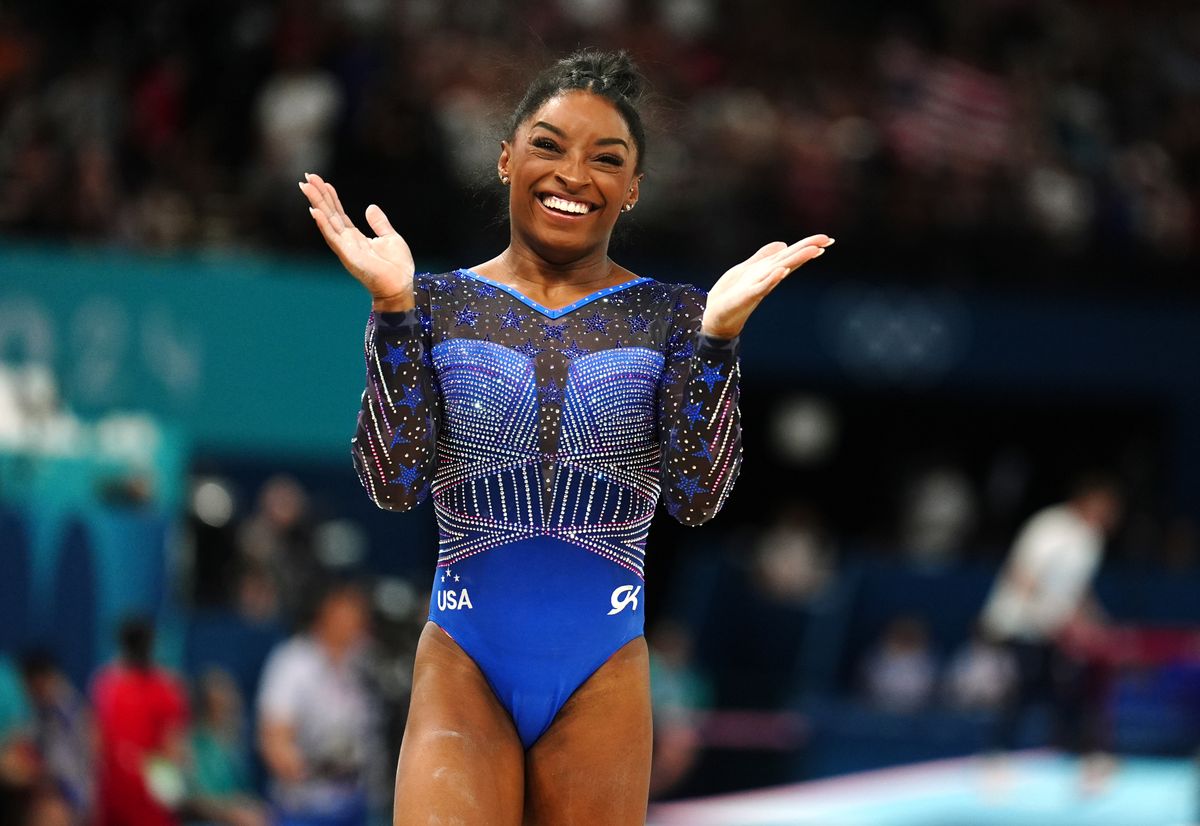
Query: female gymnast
{"points": [[544, 398]]}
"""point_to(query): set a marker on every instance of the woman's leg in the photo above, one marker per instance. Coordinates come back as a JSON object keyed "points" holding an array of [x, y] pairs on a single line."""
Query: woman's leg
{"points": [[461, 761], [592, 766]]}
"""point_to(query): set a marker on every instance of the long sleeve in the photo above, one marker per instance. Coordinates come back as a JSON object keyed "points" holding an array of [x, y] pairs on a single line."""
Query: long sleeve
{"points": [[699, 420], [394, 444]]}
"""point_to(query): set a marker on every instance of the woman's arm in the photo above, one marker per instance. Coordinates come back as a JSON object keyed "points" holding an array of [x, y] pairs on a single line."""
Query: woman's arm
{"points": [[698, 415], [394, 445]]}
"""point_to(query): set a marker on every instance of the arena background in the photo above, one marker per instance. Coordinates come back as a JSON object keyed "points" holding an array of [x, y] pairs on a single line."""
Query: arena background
{"points": [[1012, 301]]}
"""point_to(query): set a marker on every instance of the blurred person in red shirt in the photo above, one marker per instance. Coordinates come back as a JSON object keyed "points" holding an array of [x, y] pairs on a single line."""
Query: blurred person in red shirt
{"points": [[141, 715]]}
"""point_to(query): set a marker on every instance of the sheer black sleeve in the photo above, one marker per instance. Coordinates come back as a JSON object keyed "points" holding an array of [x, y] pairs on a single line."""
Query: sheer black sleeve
{"points": [[698, 415], [394, 445]]}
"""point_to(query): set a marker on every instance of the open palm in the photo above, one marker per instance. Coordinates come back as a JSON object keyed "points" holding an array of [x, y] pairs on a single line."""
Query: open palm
{"points": [[741, 288], [384, 264]]}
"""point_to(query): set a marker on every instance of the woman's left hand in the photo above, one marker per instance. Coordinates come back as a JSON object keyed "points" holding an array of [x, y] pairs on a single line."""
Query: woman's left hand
{"points": [[738, 291]]}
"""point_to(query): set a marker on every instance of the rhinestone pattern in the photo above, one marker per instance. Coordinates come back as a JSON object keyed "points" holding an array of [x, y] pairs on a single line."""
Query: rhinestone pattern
{"points": [[568, 423]]}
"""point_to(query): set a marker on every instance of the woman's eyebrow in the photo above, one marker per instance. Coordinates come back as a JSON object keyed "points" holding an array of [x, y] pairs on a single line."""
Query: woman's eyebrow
{"points": [[599, 142]]}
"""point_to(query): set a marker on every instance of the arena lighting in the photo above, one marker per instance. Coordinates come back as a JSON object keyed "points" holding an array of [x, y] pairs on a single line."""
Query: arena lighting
{"points": [[804, 429], [212, 503]]}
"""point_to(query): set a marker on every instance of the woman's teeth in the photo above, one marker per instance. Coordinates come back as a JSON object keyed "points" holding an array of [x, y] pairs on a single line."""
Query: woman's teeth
{"points": [[563, 205]]}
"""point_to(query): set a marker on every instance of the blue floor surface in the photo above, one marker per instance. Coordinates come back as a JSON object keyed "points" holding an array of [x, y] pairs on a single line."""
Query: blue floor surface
{"points": [[1039, 789]]}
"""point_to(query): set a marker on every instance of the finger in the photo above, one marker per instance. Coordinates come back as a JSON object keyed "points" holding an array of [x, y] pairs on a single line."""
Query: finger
{"points": [[801, 256], [767, 249], [379, 222], [331, 206], [820, 241], [338, 203], [345, 245], [317, 200]]}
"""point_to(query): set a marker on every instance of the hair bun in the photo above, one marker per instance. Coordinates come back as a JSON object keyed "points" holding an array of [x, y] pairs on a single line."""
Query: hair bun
{"points": [[608, 72]]}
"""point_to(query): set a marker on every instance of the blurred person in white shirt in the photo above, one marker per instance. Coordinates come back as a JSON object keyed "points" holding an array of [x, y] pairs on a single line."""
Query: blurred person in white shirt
{"points": [[1043, 590], [318, 724]]}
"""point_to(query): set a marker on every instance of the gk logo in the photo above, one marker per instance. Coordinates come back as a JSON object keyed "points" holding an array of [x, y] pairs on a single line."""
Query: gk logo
{"points": [[623, 596]]}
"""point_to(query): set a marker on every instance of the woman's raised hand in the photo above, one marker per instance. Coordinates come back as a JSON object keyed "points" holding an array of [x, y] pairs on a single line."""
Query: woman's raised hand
{"points": [[383, 264], [738, 291]]}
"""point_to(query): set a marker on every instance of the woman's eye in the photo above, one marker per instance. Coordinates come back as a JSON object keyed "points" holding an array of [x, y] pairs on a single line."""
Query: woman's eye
{"points": [[545, 143], [615, 160]]}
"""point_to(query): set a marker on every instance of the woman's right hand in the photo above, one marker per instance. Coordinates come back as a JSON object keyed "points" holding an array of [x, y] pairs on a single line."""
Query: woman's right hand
{"points": [[383, 264]]}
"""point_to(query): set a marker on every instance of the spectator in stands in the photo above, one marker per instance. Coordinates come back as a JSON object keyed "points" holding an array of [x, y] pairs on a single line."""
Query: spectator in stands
{"points": [[981, 675], [679, 695], [141, 717], [1043, 588], [900, 673], [277, 553], [18, 761], [946, 125], [62, 732], [793, 559], [220, 785], [318, 725]]}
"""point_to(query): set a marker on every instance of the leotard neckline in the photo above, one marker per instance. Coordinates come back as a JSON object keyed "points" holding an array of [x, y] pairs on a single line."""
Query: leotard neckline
{"points": [[546, 311]]}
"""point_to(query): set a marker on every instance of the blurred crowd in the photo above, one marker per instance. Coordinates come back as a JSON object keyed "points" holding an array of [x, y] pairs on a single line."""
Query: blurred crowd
{"points": [[143, 745], [1002, 141]]}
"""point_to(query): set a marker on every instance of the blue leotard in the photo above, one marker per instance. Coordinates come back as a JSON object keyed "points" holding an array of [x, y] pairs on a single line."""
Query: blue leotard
{"points": [[543, 436]]}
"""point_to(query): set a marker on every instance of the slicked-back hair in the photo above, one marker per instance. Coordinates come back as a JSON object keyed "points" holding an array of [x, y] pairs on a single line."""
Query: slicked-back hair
{"points": [[612, 75]]}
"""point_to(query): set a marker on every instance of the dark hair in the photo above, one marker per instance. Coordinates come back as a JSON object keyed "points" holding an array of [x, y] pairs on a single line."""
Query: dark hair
{"points": [[612, 75], [137, 641], [38, 662], [325, 589], [1094, 481]]}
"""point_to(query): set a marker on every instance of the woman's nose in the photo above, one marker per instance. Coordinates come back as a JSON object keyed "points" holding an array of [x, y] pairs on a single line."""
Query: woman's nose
{"points": [[570, 173]]}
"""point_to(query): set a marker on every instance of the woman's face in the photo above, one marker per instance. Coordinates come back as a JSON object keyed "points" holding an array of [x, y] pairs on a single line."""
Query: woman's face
{"points": [[572, 167]]}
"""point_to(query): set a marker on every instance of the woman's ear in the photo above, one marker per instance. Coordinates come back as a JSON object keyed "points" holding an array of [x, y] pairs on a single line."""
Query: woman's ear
{"points": [[502, 162], [635, 190]]}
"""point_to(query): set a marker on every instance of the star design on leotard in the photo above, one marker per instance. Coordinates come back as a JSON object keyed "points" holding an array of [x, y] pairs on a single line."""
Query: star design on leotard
{"points": [[689, 487], [395, 357], [485, 290], [425, 320], [398, 438], [596, 323], [692, 411], [684, 351], [574, 351], [551, 393], [466, 316], [673, 439], [456, 577], [442, 285], [528, 348], [552, 331], [711, 376], [412, 398], [511, 319], [704, 452], [637, 323], [408, 475], [446, 574]]}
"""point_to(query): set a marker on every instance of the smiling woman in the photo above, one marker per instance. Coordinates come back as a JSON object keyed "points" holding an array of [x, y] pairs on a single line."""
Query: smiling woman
{"points": [[546, 398]]}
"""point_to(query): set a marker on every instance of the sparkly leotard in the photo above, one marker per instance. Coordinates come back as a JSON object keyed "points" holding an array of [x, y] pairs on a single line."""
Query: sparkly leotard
{"points": [[543, 436]]}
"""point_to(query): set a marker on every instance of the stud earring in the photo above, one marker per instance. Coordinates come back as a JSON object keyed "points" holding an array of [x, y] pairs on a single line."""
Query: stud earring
{"points": [[504, 180], [627, 207]]}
